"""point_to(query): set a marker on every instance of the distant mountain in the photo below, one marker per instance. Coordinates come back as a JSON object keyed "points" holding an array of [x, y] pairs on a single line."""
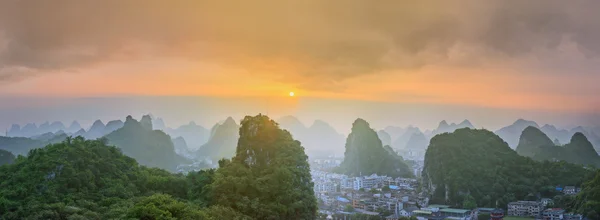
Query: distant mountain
{"points": [[535, 144], [194, 135], [158, 124], [22, 145], [181, 147], [223, 142], [112, 126], [323, 139], [401, 141], [14, 131], [418, 142], [510, 134], [444, 127], [365, 155], [385, 138], [394, 132], [74, 127], [562, 135], [318, 139], [80, 132], [96, 131], [29, 130], [151, 148]]}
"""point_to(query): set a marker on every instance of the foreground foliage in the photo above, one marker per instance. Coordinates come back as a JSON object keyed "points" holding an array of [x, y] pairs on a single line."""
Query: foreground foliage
{"points": [[269, 178]]}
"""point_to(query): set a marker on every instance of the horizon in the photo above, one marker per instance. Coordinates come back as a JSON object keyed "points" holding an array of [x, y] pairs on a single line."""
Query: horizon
{"points": [[306, 110]]}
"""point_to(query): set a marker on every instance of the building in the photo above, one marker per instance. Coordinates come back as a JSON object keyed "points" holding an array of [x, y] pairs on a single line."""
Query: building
{"points": [[546, 201], [570, 190], [524, 208], [497, 214], [456, 213], [553, 214]]}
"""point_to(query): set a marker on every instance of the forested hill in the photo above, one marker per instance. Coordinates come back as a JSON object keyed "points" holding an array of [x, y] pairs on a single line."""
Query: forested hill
{"points": [[481, 164], [149, 147], [535, 144], [268, 178], [365, 154]]}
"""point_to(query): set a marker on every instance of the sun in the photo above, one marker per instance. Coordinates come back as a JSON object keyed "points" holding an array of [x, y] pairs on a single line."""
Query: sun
{"points": [[291, 94]]}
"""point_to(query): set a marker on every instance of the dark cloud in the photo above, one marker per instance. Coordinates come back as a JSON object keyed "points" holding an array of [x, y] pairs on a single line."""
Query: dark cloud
{"points": [[329, 40]]}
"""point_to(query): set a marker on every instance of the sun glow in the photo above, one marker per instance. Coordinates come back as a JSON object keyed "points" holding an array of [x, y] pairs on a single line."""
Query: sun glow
{"points": [[291, 94]]}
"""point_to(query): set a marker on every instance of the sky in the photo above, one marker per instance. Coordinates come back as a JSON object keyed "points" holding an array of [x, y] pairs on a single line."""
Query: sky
{"points": [[395, 62]]}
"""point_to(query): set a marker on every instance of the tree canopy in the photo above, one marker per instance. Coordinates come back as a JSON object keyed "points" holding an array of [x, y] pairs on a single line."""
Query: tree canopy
{"points": [[269, 177], [365, 154], [6, 157]]}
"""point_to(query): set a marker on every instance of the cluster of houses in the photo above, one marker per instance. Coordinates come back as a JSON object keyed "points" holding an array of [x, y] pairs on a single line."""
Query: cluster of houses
{"points": [[538, 210], [371, 194]]}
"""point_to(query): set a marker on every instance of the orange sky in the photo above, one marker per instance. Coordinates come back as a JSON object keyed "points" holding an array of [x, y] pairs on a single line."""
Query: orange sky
{"points": [[463, 52]]}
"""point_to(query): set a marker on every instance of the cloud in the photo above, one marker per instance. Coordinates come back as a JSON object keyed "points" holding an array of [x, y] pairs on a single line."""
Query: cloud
{"points": [[314, 40]]}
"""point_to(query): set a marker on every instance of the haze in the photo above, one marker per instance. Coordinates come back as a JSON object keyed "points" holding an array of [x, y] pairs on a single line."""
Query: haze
{"points": [[390, 62]]}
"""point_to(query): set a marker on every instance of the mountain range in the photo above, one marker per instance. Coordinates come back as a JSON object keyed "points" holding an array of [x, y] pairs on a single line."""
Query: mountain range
{"points": [[535, 144], [318, 139], [222, 141]]}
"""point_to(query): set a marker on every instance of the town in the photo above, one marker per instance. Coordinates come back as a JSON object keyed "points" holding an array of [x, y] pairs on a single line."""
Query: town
{"points": [[341, 196]]}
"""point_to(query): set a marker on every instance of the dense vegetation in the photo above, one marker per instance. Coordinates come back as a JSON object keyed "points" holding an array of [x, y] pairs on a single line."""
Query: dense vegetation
{"points": [[79, 178], [222, 142], [149, 147], [86, 179], [480, 164], [365, 154], [587, 201], [535, 144], [6, 157], [269, 177]]}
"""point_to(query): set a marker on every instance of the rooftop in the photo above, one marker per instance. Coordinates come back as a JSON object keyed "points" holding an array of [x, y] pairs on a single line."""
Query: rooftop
{"points": [[456, 211], [439, 206]]}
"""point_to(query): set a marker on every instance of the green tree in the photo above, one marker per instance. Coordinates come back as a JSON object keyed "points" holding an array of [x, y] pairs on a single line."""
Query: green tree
{"points": [[349, 208], [269, 178], [469, 202], [386, 188]]}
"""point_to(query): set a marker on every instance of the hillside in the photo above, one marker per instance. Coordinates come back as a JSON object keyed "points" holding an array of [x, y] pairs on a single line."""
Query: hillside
{"points": [[222, 142], [365, 154], [479, 163], [6, 157], [535, 144], [418, 142], [151, 148], [269, 177], [80, 179], [588, 200]]}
